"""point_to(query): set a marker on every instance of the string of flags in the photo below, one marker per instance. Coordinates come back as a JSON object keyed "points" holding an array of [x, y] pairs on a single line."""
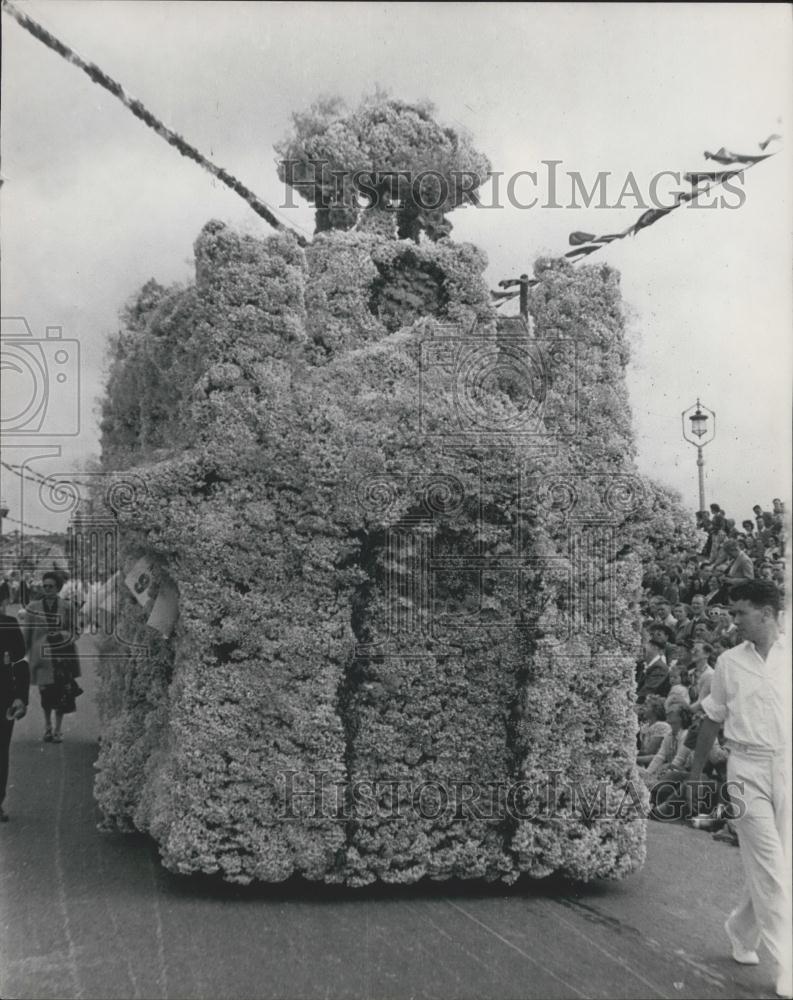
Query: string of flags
{"points": [[17, 470], [700, 182], [144, 581], [26, 524]]}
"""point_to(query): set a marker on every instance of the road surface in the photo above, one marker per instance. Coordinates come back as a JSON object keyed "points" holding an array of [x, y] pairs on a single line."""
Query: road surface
{"points": [[93, 915]]}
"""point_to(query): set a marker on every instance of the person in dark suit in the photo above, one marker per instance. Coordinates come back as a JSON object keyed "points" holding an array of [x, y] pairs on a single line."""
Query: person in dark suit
{"points": [[14, 687], [655, 679]]}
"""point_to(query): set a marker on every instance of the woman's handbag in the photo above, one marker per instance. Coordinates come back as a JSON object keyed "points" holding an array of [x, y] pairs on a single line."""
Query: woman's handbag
{"points": [[68, 690]]}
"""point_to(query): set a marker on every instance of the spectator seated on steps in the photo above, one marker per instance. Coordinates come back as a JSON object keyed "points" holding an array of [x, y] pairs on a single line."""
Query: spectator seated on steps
{"points": [[671, 764], [678, 692], [652, 728]]}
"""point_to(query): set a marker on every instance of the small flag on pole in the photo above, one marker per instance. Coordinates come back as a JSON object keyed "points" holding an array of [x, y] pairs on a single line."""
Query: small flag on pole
{"points": [[139, 581]]}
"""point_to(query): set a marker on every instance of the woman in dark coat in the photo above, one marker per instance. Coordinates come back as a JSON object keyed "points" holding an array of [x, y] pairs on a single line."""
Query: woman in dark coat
{"points": [[51, 653]]}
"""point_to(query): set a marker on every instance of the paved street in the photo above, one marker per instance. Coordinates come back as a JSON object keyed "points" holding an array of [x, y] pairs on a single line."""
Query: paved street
{"points": [[87, 914]]}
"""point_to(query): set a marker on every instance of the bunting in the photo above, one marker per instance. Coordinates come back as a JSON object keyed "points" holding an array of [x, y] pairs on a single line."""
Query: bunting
{"points": [[700, 181], [725, 157]]}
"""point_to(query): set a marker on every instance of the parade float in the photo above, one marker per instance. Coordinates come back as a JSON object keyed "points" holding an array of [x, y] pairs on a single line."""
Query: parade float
{"points": [[403, 536]]}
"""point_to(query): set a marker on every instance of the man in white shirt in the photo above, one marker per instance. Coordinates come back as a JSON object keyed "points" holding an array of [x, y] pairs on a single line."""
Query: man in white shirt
{"points": [[750, 695]]}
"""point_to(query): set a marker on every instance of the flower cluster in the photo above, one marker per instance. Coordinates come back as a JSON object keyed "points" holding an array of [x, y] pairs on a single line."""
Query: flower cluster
{"points": [[385, 157]]}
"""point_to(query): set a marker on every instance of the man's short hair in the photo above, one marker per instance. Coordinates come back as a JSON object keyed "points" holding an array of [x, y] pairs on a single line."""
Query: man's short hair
{"points": [[759, 593], [667, 630], [49, 575]]}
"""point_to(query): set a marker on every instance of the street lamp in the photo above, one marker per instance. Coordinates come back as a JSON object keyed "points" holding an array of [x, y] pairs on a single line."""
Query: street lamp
{"points": [[699, 434]]}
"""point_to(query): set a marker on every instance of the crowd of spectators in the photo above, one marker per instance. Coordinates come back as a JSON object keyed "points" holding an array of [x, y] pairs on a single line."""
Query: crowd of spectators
{"points": [[687, 624]]}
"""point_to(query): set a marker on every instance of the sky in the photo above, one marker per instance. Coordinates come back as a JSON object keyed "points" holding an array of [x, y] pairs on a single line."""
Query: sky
{"points": [[94, 204]]}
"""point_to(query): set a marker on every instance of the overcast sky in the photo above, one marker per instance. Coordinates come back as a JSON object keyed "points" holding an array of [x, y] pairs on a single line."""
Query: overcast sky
{"points": [[94, 203]]}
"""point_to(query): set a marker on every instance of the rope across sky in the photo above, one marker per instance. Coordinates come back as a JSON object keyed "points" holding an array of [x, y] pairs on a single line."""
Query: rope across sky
{"points": [[137, 109], [583, 243]]}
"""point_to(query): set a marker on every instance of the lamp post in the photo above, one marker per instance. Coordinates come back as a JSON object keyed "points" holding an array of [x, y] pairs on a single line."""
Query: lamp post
{"points": [[699, 434], [3, 513]]}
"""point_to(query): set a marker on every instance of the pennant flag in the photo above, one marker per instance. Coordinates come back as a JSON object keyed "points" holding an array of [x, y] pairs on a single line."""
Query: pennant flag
{"points": [[504, 295], [166, 609], [766, 142], [579, 251], [649, 217], [713, 176], [139, 581], [726, 157], [578, 238]]}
